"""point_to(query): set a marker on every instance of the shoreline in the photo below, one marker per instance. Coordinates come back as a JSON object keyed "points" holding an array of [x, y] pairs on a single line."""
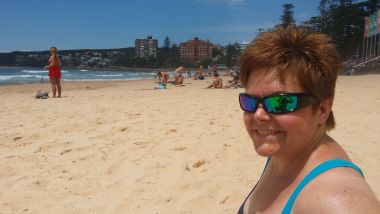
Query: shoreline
{"points": [[120, 69], [66, 85]]}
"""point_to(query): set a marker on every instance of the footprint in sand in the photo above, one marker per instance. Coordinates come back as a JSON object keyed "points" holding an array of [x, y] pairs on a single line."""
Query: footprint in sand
{"points": [[171, 130], [66, 151], [181, 148], [199, 163], [141, 144], [224, 200], [17, 138]]}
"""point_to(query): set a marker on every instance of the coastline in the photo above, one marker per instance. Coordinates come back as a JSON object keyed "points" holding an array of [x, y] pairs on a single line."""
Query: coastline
{"points": [[120, 69], [27, 75]]}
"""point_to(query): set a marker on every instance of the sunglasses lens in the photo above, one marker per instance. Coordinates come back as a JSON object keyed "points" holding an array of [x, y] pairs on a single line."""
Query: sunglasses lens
{"points": [[247, 103], [281, 103]]}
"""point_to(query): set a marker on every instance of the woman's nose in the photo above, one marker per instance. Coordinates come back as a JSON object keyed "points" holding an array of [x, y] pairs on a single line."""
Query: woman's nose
{"points": [[261, 114]]}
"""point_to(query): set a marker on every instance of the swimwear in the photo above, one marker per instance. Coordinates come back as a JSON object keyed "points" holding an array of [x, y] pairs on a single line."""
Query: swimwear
{"points": [[55, 72], [321, 168]]}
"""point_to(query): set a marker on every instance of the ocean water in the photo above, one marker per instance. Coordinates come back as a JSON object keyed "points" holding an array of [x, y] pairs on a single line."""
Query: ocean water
{"points": [[10, 75]]}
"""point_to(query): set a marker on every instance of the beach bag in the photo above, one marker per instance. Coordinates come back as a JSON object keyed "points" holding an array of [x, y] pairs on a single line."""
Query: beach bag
{"points": [[161, 85], [42, 95]]}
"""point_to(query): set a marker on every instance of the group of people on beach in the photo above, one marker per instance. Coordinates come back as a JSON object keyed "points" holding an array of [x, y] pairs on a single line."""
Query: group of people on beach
{"points": [[163, 76], [54, 67], [217, 81]]}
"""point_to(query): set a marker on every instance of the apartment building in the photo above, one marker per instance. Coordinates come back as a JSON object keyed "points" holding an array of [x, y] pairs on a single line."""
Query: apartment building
{"points": [[145, 48], [196, 49]]}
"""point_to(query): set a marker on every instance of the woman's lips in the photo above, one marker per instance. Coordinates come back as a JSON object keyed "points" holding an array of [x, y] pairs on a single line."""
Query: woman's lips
{"points": [[267, 132]]}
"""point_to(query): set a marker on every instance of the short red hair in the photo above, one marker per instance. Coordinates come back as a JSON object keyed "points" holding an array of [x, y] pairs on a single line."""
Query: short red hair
{"points": [[295, 52]]}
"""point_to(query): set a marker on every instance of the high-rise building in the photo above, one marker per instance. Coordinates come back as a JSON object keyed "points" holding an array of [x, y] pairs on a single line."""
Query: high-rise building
{"points": [[243, 45], [196, 49], [145, 48]]}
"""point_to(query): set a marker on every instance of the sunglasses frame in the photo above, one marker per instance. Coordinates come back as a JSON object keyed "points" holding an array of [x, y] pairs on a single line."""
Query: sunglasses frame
{"points": [[303, 100]]}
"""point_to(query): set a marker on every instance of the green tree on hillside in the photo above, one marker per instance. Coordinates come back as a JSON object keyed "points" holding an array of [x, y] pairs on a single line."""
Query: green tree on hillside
{"points": [[343, 21], [287, 18]]}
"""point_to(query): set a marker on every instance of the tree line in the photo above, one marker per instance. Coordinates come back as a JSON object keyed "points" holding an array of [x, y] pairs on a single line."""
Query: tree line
{"points": [[167, 57], [342, 20]]}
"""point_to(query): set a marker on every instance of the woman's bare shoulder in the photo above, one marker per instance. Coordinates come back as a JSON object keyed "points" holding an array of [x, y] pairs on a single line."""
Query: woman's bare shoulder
{"points": [[339, 190]]}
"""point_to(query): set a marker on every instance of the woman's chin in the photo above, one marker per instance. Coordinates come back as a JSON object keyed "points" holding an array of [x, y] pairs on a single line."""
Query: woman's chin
{"points": [[266, 149]]}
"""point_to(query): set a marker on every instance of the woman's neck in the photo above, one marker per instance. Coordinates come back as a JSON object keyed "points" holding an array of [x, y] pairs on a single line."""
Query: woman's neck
{"points": [[295, 161]]}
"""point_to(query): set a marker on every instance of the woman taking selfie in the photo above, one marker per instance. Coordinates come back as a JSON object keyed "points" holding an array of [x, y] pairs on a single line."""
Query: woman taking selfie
{"points": [[290, 77]]}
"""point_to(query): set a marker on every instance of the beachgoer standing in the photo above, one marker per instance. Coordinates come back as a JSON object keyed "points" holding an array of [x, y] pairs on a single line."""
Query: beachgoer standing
{"points": [[54, 68]]}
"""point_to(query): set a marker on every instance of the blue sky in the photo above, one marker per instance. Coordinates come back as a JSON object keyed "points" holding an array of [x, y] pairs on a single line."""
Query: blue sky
{"points": [[77, 24]]}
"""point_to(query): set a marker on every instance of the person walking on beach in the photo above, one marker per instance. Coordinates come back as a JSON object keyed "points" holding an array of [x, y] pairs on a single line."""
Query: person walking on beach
{"points": [[54, 67], [289, 76]]}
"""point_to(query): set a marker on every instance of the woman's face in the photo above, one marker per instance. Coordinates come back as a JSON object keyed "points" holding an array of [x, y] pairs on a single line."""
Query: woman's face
{"points": [[282, 133], [52, 51]]}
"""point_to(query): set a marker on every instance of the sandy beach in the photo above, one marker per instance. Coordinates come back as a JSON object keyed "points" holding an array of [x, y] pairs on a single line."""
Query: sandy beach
{"points": [[123, 147]]}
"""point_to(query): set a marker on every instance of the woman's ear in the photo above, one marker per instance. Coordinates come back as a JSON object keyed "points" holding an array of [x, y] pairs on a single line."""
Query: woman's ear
{"points": [[324, 109]]}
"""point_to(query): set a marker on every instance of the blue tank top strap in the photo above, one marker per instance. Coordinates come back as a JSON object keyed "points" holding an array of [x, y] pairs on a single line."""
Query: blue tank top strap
{"points": [[321, 168]]}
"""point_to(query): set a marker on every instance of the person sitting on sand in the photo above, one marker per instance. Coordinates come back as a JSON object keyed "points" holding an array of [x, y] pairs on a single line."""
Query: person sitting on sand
{"points": [[217, 82], [235, 81], [163, 76], [178, 77], [199, 74]]}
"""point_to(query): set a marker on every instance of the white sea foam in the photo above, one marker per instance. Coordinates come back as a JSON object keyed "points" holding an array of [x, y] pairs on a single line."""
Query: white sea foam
{"points": [[39, 71], [107, 75], [141, 74], [79, 80], [34, 71], [20, 77], [6, 77], [29, 75]]}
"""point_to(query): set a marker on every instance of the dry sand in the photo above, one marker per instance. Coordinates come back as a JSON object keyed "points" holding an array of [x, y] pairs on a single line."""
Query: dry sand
{"points": [[122, 147]]}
